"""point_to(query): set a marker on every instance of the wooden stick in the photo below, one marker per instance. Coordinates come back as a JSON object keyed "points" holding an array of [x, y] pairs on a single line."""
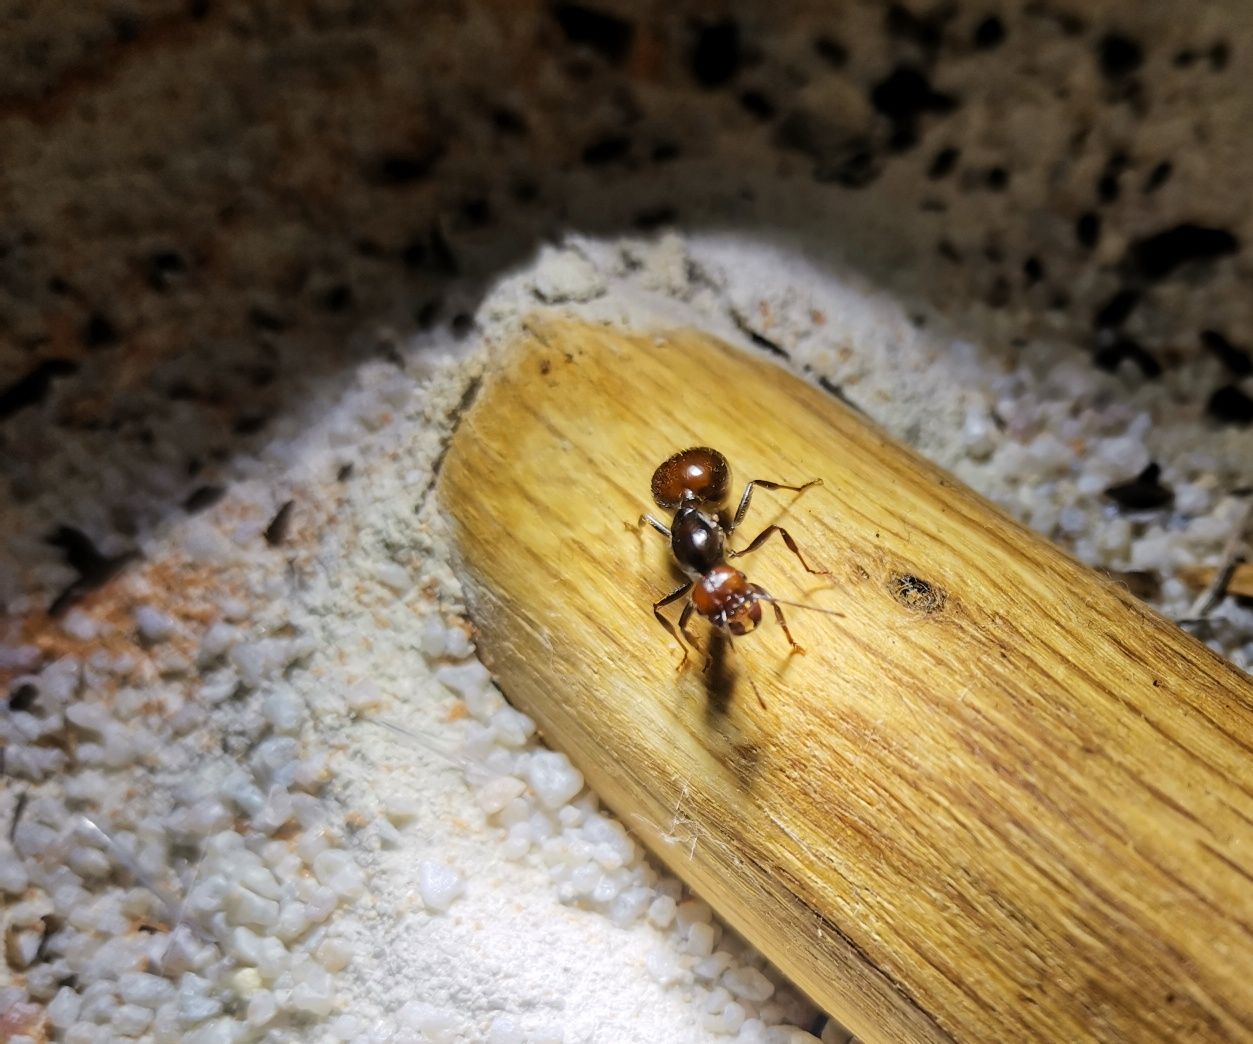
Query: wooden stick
{"points": [[999, 801], [1239, 583]]}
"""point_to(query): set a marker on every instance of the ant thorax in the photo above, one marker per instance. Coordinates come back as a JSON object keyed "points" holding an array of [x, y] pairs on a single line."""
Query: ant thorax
{"points": [[697, 539]]}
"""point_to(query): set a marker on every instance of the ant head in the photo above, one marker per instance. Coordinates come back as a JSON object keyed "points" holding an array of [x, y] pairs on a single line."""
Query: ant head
{"points": [[698, 475], [724, 596]]}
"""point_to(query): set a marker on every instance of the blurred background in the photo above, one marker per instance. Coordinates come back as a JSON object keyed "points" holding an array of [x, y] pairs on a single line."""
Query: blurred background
{"points": [[204, 206]]}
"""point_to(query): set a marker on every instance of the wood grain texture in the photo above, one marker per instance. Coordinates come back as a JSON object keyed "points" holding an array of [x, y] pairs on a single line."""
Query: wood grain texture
{"points": [[1005, 803]]}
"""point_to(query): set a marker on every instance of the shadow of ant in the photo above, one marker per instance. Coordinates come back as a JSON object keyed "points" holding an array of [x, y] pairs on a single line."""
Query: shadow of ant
{"points": [[721, 681], [719, 678]]}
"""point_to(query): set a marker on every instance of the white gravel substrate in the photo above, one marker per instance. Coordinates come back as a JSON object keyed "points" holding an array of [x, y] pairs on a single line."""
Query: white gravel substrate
{"points": [[266, 792]]}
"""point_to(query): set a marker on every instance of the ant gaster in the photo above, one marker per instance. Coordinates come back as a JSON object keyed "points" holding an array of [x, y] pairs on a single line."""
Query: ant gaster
{"points": [[695, 483]]}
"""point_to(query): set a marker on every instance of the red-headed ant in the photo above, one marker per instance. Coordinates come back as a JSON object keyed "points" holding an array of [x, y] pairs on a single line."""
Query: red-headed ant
{"points": [[694, 483]]}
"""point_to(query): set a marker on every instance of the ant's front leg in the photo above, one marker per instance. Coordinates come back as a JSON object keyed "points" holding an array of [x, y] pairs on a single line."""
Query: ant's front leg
{"points": [[683, 619], [764, 535], [673, 596], [742, 510], [778, 615]]}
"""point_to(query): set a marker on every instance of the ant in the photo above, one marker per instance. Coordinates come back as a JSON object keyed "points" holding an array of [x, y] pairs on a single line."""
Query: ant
{"points": [[694, 483]]}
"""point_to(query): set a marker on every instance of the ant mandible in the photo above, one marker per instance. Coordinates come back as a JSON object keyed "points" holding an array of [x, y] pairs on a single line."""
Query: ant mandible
{"points": [[694, 483]]}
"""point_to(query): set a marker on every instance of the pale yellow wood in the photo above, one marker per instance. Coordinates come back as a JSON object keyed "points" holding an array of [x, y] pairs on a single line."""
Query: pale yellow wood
{"points": [[1016, 808]]}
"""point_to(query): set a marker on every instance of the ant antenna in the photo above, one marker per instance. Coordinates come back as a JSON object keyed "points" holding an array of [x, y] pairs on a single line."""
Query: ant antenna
{"points": [[799, 605]]}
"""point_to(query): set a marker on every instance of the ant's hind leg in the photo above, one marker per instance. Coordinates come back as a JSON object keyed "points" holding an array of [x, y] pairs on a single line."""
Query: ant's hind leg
{"points": [[673, 596], [764, 535], [742, 510]]}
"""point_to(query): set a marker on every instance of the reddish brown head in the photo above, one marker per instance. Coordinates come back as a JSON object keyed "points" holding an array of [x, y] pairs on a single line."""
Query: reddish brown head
{"points": [[726, 598], [698, 474]]}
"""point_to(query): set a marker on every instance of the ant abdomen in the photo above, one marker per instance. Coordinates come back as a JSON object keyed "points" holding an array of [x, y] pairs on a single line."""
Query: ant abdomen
{"points": [[698, 474]]}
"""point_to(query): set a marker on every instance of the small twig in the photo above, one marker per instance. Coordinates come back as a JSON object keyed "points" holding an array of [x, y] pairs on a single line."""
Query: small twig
{"points": [[19, 807], [468, 395], [1232, 557]]}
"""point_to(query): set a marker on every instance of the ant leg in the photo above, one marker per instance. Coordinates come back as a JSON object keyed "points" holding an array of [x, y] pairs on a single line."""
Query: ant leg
{"points": [[661, 527], [742, 510], [764, 535], [778, 615], [683, 619], [696, 644], [673, 596]]}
